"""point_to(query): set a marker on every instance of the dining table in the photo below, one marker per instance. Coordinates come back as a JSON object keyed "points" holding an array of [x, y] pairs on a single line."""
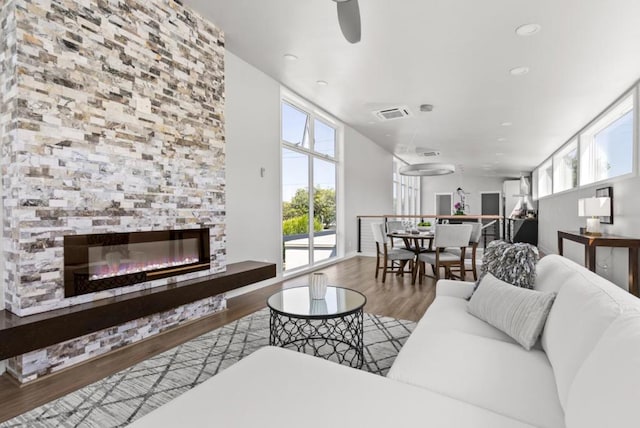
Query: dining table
{"points": [[414, 240]]}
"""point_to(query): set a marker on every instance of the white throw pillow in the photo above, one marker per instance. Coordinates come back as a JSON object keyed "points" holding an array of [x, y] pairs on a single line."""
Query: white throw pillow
{"points": [[519, 312]]}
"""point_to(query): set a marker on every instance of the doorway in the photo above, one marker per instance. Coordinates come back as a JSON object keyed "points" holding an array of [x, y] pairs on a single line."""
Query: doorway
{"points": [[444, 203]]}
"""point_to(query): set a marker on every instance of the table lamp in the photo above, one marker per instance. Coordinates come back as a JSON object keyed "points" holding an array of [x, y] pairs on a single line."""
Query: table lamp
{"points": [[594, 208]]}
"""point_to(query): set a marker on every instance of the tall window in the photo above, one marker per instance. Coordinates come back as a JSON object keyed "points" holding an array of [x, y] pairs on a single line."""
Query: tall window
{"points": [[406, 191], [565, 168], [545, 177], [309, 171], [606, 147], [397, 203]]}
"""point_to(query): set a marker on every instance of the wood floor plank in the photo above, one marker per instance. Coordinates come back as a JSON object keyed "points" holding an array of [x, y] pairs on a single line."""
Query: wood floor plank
{"points": [[396, 298]]}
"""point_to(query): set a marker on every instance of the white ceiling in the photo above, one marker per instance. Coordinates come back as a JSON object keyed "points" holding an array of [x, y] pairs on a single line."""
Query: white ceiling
{"points": [[454, 54]]}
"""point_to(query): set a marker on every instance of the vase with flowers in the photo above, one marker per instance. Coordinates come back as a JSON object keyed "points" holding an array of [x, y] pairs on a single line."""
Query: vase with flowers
{"points": [[461, 206]]}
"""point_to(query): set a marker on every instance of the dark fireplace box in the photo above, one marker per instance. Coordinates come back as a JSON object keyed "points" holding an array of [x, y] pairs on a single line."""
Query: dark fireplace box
{"points": [[109, 260]]}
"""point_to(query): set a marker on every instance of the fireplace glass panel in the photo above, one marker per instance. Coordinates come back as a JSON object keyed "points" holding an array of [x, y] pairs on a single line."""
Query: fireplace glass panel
{"points": [[105, 261], [114, 260]]}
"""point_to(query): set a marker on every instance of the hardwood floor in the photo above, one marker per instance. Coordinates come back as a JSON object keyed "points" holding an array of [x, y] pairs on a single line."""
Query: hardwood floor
{"points": [[395, 298]]}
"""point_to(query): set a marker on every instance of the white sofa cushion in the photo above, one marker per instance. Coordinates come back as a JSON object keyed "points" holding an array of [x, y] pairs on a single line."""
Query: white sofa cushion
{"points": [[551, 272], [451, 313], [584, 308], [451, 288], [519, 312], [492, 374], [605, 392], [276, 387]]}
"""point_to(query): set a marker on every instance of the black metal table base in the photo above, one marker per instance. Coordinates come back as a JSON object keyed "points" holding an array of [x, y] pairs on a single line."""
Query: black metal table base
{"points": [[338, 338]]}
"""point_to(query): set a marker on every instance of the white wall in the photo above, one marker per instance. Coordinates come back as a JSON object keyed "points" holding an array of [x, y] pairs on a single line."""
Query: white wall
{"points": [[252, 115], [252, 118], [368, 183], [560, 212], [471, 184]]}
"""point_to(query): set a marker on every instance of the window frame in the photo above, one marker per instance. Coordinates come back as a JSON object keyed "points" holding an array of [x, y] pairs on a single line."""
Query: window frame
{"points": [[634, 93], [602, 117], [559, 155], [313, 114], [547, 164], [407, 191]]}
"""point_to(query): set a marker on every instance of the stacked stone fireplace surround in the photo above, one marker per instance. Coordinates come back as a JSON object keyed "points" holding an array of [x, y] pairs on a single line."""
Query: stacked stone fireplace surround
{"points": [[111, 121]]}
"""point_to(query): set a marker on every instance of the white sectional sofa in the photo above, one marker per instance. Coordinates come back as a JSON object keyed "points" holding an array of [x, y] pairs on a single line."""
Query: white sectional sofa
{"points": [[454, 371]]}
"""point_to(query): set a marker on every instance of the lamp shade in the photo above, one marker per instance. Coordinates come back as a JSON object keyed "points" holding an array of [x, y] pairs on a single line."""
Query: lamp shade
{"points": [[594, 207]]}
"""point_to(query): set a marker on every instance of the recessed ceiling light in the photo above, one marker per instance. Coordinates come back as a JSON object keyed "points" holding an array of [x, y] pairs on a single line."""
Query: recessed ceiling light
{"points": [[290, 57], [528, 29], [501, 139], [322, 82], [519, 71], [506, 124]]}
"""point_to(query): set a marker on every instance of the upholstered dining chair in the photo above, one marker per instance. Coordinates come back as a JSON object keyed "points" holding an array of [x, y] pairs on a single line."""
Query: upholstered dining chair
{"points": [[394, 226], [393, 259], [471, 253], [446, 235]]}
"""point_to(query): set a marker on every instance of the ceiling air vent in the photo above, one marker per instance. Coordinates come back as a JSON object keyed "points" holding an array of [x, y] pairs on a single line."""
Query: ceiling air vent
{"points": [[392, 113], [427, 153]]}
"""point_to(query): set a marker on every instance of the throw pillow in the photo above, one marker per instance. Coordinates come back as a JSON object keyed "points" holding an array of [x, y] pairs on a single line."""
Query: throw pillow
{"points": [[519, 312], [512, 263]]}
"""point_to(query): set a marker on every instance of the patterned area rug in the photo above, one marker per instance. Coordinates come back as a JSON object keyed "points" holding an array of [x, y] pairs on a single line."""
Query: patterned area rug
{"points": [[125, 396]]}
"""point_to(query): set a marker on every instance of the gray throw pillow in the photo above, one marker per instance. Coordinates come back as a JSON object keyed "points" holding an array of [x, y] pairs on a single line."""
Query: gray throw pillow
{"points": [[512, 263], [519, 312]]}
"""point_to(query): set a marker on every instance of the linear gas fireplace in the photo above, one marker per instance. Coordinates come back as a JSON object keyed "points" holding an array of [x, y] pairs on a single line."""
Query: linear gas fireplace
{"points": [[110, 260]]}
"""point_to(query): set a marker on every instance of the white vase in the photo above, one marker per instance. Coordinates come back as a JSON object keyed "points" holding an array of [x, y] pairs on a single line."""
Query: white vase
{"points": [[318, 285], [318, 307]]}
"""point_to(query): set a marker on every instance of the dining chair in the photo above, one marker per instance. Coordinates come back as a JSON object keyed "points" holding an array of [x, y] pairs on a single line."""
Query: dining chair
{"points": [[446, 235], [394, 226], [393, 259], [471, 252]]}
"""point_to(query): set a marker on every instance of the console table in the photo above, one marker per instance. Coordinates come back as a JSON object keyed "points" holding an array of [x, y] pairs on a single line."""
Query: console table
{"points": [[590, 243]]}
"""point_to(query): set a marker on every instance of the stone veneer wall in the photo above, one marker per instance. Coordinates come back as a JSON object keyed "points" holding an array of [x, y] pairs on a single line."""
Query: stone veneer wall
{"points": [[115, 125], [7, 92], [119, 128], [30, 366]]}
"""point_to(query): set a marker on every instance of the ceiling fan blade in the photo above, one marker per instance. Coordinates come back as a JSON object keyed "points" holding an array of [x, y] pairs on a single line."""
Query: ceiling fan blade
{"points": [[349, 19]]}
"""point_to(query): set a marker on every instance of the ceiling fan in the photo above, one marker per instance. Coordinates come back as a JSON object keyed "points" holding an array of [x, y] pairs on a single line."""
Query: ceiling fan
{"points": [[349, 19]]}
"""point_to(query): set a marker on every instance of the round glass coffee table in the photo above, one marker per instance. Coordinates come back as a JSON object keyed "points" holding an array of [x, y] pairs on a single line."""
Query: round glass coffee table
{"points": [[330, 328]]}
